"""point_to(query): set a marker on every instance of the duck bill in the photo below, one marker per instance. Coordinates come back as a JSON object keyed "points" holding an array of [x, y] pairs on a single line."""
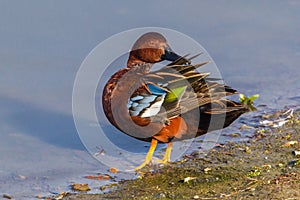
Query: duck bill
{"points": [[170, 55]]}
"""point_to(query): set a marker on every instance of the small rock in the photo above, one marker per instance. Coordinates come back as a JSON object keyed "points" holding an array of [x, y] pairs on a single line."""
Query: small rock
{"points": [[207, 169], [7, 196], [103, 187], [171, 183], [162, 195], [296, 153], [21, 177], [159, 195], [247, 150], [267, 166], [294, 163], [280, 165], [196, 197]]}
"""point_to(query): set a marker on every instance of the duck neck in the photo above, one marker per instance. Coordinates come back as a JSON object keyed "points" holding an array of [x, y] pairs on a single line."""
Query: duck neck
{"points": [[134, 62]]}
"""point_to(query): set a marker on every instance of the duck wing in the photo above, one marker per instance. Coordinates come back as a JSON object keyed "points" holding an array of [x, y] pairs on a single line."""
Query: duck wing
{"points": [[178, 88]]}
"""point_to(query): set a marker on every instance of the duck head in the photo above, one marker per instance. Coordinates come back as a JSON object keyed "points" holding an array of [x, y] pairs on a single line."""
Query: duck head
{"points": [[152, 47]]}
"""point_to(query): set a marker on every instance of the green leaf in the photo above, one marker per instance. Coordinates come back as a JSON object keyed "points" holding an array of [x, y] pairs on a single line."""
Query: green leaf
{"points": [[242, 97], [253, 97], [248, 101], [254, 173]]}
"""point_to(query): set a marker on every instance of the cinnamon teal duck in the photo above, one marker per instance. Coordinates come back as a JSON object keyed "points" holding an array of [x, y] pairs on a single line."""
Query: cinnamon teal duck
{"points": [[173, 103]]}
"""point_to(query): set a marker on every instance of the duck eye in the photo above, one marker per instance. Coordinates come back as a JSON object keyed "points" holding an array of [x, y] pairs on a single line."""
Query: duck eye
{"points": [[151, 43]]}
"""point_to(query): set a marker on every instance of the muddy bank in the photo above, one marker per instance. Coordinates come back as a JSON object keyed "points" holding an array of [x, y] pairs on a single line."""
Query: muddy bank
{"points": [[265, 167]]}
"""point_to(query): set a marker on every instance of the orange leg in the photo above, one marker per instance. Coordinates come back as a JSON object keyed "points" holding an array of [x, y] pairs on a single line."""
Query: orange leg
{"points": [[149, 155], [167, 156]]}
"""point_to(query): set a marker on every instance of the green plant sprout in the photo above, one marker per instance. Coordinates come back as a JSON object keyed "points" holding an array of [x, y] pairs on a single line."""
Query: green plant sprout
{"points": [[248, 101]]}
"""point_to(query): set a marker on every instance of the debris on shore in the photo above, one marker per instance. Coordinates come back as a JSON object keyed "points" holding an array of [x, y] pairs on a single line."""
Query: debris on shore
{"points": [[267, 166]]}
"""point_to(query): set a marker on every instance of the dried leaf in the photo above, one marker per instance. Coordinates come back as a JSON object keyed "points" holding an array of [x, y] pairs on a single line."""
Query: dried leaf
{"points": [[113, 170], [80, 187], [99, 177], [244, 126], [233, 135], [187, 179], [58, 196], [290, 143]]}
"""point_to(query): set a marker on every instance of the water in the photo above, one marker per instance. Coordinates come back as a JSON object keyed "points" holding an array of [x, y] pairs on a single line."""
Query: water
{"points": [[255, 44]]}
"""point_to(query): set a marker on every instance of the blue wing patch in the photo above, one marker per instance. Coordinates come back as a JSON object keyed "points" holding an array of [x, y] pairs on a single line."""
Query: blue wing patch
{"points": [[155, 89], [145, 104]]}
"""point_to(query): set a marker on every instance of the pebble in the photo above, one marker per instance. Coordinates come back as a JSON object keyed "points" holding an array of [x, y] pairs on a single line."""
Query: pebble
{"points": [[290, 143], [7, 196], [21, 177], [296, 153], [207, 169]]}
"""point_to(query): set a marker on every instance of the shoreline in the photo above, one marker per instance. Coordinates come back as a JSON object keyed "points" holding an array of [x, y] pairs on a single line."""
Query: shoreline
{"points": [[264, 167]]}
